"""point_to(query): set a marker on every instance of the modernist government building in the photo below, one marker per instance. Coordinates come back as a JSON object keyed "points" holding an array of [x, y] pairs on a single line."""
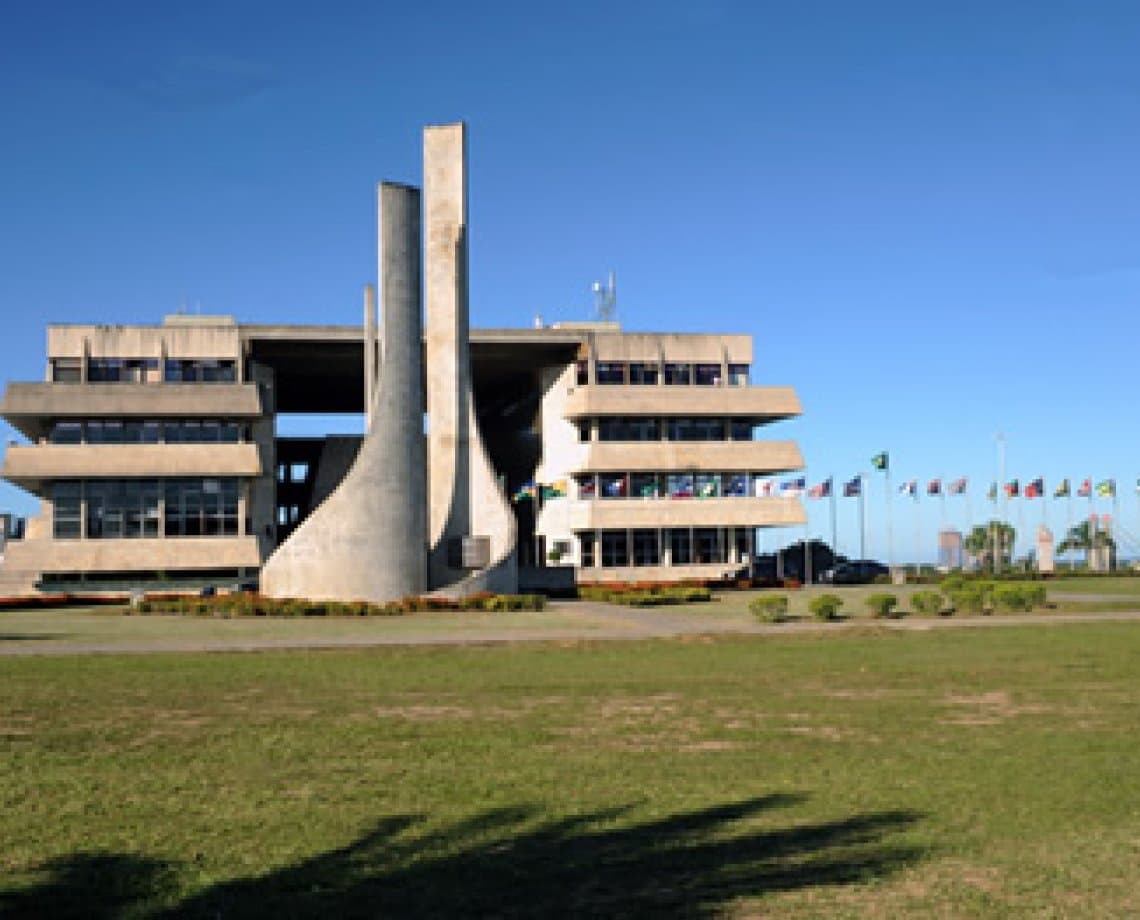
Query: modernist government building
{"points": [[490, 456]]}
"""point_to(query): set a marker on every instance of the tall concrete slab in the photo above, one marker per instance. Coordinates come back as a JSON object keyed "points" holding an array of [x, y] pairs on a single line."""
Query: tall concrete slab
{"points": [[368, 539], [464, 498]]}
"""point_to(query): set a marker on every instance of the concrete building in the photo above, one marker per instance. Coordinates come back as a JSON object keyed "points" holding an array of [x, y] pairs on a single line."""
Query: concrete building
{"points": [[576, 449], [951, 554]]}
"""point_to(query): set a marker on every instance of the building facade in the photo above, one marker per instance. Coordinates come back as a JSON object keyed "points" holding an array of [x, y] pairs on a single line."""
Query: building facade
{"points": [[578, 448]]}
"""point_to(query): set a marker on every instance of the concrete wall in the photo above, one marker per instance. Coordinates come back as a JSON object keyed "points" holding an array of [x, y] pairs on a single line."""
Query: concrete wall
{"points": [[773, 402], [619, 513], [367, 540], [152, 554], [26, 464], [179, 337], [690, 456]]}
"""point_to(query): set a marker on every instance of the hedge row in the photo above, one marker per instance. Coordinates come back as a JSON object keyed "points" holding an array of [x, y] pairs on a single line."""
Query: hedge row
{"points": [[645, 595], [254, 605]]}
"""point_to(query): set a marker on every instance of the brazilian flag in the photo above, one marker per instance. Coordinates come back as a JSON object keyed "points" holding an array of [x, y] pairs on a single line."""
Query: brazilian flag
{"points": [[880, 461], [1062, 491], [1106, 489]]}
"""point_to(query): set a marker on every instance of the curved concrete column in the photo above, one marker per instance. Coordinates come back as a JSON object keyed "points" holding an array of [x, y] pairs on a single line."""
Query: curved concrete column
{"points": [[368, 539]]}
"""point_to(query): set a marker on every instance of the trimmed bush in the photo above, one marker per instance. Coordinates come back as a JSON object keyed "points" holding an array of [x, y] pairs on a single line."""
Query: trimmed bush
{"points": [[770, 608], [825, 607], [883, 606], [968, 599], [927, 603]]}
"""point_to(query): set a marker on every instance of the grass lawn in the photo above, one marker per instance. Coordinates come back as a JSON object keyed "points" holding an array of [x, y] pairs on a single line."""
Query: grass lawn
{"points": [[962, 773]]}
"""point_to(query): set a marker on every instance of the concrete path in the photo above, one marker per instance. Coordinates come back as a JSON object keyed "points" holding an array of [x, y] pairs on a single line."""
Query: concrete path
{"points": [[598, 622]]}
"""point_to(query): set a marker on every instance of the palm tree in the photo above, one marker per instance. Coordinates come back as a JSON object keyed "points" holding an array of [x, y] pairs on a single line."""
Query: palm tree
{"points": [[1084, 538], [980, 542]]}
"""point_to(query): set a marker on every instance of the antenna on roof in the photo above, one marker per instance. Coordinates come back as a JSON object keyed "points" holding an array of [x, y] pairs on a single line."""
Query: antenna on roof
{"points": [[605, 300]]}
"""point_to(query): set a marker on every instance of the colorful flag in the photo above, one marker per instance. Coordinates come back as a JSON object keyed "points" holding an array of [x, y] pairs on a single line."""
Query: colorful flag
{"points": [[793, 487], [736, 484], [853, 488], [1085, 491], [707, 489], [764, 487], [880, 461], [934, 487], [555, 489], [1106, 489], [1062, 491], [1035, 489], [992, 493], [1012, 488], [614, 487], [957, 487], [821, 490], [910, 488], [526, 492]]}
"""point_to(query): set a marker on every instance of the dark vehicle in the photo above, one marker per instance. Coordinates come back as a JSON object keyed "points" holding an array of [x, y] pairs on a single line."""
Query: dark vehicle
{"points": [[859, 572]]}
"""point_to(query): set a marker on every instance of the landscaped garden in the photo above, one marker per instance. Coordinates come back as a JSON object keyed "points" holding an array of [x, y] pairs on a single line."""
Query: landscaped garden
{"points": [[854, 773]]}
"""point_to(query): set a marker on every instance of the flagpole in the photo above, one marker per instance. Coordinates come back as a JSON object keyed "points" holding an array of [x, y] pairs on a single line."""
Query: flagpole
{"points": [[862, 521], [834, 537], [890, 535], [917, 537], [1115, 557], [1001, 502]]}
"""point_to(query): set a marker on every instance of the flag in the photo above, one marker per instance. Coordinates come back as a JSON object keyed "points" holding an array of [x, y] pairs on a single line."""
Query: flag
{"points": [[853, 488], [1012, 488], [880, 461], [526, 492], [934, 487], [1138, 486], [992, 493], [707, 489], [613, 487], [957, 487], [555, 489], [1106, 489], [793, 487], [764, 487], [1085, 491], [1062, 491], [910, 488], [821, 490], [648, 490], [1035, 489], [736, 484]]}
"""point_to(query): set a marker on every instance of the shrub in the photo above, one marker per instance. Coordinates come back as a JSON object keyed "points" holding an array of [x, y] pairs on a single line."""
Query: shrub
{"points": [[770, 608], [825, 607], [968, 599], [953, 583], [883, 605], [1018, 598], [927, 603]]}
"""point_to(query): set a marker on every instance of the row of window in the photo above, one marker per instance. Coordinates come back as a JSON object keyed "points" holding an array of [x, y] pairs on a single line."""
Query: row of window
{"points": [[673, 428], [144, 370], [130, 431], [672, 374], [671, 485], [112, 509], [685, 545]]}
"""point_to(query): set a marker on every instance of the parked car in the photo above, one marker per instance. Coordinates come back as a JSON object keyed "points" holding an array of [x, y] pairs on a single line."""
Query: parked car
{"points": [[858, 572]]}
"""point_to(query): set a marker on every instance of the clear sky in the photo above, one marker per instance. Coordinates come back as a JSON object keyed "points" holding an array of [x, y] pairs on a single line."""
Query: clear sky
{"points": [[927, 215]]}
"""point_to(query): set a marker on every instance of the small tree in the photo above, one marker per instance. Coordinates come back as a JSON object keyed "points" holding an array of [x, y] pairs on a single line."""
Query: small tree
{"points": [[883, 605], [825, 607], [980, 543]]}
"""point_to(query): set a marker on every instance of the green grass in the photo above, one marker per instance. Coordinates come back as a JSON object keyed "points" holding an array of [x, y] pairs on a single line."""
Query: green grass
{"points": [[962, 773]]}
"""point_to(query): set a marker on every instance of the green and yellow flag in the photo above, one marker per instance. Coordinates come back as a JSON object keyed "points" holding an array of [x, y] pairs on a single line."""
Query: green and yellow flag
{"points": [[1062, 491], [1106, 489], [880, 461]]}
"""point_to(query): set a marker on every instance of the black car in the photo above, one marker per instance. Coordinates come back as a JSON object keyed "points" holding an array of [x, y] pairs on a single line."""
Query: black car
{"points": [[859, 572]]}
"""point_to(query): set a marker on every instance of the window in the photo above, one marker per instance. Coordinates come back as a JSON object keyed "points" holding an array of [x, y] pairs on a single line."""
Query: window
{"points": [[644, 485], [609, 372], [643, 373], [615, 548], [584, 431], [741, 429], [121, 370], [678, 375], [67, 509], [67, 370], [708, 485], [614, 486], [743, 540], [201, 507], [646, 548], [644, 429], [199, 370], [708, 375], [586, 549], [122, 509], [66, 433], [735, 485], [298, 472], [709, 548], [583, 373], [587, 486], [738, 375], [680, 485], [680, 545]]}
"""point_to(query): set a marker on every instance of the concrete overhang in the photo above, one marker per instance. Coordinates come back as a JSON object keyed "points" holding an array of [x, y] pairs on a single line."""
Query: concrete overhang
{"points": [[764, 404], [31, 408], [145, 554], [620, 513], [33, 466], [692, 456]]}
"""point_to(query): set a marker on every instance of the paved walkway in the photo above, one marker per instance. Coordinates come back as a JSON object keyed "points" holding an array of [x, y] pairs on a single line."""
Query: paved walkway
{"points": [[598, 622]]}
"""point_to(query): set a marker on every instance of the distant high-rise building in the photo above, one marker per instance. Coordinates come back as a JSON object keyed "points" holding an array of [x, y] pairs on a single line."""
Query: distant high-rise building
{"points": [[950, 549]]}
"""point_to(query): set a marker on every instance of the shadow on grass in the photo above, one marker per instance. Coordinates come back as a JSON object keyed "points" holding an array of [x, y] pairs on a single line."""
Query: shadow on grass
{"points": [[507, 862], [34, 637]]}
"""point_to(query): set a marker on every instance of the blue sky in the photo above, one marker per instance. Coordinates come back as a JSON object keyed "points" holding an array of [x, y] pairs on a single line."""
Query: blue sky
{"points": [[926, 214]]}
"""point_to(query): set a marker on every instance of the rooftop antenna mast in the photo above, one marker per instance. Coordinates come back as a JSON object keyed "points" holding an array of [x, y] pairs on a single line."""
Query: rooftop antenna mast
{"points": [[605, 300]]}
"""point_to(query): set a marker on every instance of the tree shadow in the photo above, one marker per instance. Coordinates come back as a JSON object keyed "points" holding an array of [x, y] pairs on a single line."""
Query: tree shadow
{"points": [[511, 862]]}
